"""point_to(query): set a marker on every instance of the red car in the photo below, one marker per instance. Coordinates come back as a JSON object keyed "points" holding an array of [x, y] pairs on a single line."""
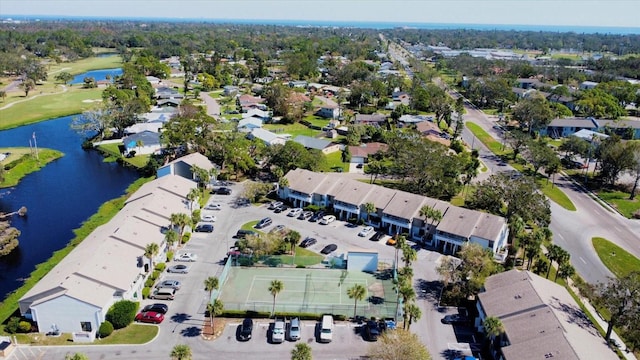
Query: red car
{"points": [[150, 317]]}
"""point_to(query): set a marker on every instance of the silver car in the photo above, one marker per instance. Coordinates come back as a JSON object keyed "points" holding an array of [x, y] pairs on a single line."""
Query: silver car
{"points": [[294, 329]]}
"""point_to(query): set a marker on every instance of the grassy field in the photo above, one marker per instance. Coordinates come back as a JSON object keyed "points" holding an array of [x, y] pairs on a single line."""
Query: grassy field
{"points": [[28, 164], [554, 193], [84, 65], [616, 259], [494, 145], [291, 129], [48, 106], [303, 257], [620, 200], [139, 161], [334, 161]]}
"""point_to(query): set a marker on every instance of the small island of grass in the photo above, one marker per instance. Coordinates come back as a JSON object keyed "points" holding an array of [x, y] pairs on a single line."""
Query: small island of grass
{"points": [[21, 161]]}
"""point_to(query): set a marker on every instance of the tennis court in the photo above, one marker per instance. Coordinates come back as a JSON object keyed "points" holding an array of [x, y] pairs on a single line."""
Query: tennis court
{"points": [[308, 290]]}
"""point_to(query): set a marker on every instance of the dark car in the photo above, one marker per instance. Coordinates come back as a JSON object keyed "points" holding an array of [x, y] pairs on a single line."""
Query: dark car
{"points": [[359, 166], [308, 242], [305, 215], [371, 330], [329, 249], [264, 223], [280, 209], [204, 228], [455, 319], [317, 216], [150, 317], [223, 191], [159, 308], [244, 333], [241, 234], [377, 236]]}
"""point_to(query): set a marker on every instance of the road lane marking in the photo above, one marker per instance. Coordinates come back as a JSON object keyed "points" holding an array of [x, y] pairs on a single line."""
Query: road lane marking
{"points": [[582, 259]]}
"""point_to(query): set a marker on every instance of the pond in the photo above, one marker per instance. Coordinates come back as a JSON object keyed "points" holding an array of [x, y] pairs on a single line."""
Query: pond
{"points": [[98, 75], [58, 198]]}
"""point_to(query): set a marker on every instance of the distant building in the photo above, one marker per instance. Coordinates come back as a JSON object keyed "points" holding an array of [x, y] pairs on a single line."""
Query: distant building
{"points": [[143, 143], [588, 85], [329, 111], [326, 146], [267, 137], [370, 119]]}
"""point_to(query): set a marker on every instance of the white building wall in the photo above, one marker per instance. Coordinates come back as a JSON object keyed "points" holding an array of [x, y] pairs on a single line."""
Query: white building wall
{"points": [[367, 262], [66, 314]]}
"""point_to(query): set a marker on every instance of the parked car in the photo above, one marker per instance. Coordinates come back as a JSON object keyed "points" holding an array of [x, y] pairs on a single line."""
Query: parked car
{"points": [[242, 233], [213, 207], [308, 242], [365, 231], [274, 204], [181, 269], [377, 236], [294, 212], [371, 330], [243, 202], [278, 229], [328, 249], [280, 209], [264, 223], [391, 241], [246, 328], [277, 335], [360, 166], [327, 219], [317, 216], [204, 228], [455, 319], [150, 317], [294, 329], [163, 293], [305, 215], [208, 218], [158, 308], [188, 257], [223, 191], [174, 284]]}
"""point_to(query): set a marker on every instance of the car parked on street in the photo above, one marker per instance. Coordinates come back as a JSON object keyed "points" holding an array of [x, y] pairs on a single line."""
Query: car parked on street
{"points": [[305, 215], [264, 223], [327, 219], [308, 242], [174, 284], [329, 249], [150, 317], [294, 212], [204, 228], [365, 231], [178, 269], [245, 330], [188, 257], [294, 329], [158, 308]]}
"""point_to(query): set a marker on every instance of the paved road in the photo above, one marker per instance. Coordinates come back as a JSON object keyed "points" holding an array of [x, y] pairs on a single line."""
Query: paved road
{"points": [[213, 108]]}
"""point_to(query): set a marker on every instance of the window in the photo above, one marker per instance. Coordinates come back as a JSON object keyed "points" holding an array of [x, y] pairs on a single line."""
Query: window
{"points": [[86, 326]]}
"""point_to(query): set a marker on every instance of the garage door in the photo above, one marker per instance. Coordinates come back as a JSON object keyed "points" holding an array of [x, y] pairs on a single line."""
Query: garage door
{"points": [[362, 261]]}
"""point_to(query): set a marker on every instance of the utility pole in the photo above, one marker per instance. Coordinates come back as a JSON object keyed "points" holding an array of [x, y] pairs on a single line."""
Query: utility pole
{"points": [[35, 145]]}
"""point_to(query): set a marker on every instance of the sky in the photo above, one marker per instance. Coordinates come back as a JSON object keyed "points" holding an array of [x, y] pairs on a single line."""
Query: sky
{"points": [[617, 13]]}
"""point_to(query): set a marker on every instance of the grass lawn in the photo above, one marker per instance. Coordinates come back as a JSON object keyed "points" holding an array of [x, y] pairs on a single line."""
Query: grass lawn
{"points": [[303, 257], [48, 106], [27, 164], [620, 200], [291, 129], [334, 161], [490, 111], [132, 334], [139, 161], [317, 121], [554, 193], [84, 65], [616, 259], [494, 145], [250, 226]]}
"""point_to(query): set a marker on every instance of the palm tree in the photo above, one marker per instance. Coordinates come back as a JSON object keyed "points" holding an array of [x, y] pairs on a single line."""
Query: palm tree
{"points": [[181, 352], [211, 283], [408, 294], [408, 255], [553, 255], [516, 226], [566, 270], [430, 212], [180, 220], [400, 242], [192, 196], [414, 313], [493, 327], [150, 251], [405, 276], [275, 288], [369, 208], [214, 309], [292, 238], [171, 237], [357, 292]]}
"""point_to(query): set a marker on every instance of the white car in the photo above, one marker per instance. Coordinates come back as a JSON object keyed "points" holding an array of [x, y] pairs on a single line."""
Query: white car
{"points": [[274, 205], [213, 207], [365, 231], [294, 212], [327, 219], [189, 257], [208, 218]]}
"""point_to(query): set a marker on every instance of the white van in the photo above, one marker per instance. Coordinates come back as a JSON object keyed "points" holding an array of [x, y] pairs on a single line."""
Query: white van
{"points": [[326, 329], [163, 293]]}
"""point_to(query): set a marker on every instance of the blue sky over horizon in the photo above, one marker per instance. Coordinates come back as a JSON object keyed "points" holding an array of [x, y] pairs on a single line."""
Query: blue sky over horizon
{"points": [[584, 13]]}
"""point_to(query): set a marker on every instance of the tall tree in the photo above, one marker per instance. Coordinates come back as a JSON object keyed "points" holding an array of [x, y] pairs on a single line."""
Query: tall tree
{"points": [[214, 309], [211, 283], [275, 288], [493, 327], [356, 292], [293, 237], [64, 77], [369, 208], [171, 237], [634, 168], [181, 352], [27, 85], [533, 113], [414, 313], [151, 251], [621, 297], [399, 344]]}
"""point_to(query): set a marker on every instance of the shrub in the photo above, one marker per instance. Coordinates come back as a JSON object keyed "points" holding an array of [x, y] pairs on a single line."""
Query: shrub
{"points": [[106, 328], [160, 267], [149, 282], [186, 237], [169, 255], [13, 325], [24, 326], [146, 292], [155, 274], [122, 313]]}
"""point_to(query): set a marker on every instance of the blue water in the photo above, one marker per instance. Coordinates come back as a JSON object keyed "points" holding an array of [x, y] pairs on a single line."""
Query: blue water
{"points": [[97, 75], [58, 198]]}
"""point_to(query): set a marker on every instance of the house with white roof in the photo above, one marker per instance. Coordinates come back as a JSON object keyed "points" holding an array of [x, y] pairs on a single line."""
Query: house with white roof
{"points": [[109, 265], [248, 124], [258, 114], [267, 136], [323, 145]]}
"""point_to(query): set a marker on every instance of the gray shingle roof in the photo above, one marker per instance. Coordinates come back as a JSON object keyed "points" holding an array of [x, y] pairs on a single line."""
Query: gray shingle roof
{"points": [[311, 142]]}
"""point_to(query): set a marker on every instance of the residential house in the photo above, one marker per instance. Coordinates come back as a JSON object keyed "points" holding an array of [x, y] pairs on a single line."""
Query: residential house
{"points": [[588, 85], [257, 114], [154, 81], [370, 119], [174, 103], [267, 136], [248, 124], [326, 146], [143, 143], [529, 83], [428, 128], [184, 166], [164, 92], [301, 84], [230, 90], [568, 126], [401, 97], [414, 119], [329, 111], [360, 153], [627, 129], [248, 102], [397, 211], [144, 126], [568, 101], [108, 265], [541, 320]]}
